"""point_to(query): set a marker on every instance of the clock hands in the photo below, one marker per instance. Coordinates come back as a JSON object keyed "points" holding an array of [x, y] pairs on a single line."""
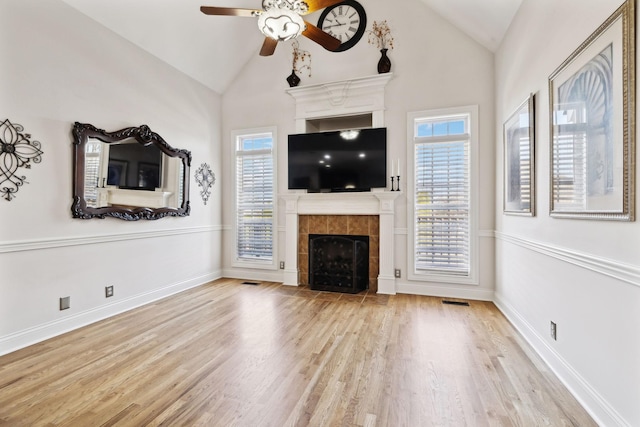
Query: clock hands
{"points": [[335, 25]]}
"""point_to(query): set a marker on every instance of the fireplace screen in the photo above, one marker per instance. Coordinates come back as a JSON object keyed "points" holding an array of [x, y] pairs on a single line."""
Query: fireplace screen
{"points": [[338, 263]]}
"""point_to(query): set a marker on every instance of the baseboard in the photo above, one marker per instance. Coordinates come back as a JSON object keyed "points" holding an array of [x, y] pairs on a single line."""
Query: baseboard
{"points": [[45, 331], [449, 291], [599, 409], [254, 274]]}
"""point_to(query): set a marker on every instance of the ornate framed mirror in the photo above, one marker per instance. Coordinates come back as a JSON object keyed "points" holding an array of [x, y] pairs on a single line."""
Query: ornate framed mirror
{"points": [[129, 174]]}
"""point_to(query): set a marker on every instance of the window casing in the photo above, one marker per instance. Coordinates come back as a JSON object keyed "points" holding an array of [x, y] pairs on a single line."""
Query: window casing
{"points": [[255, 198], [442, 190]]}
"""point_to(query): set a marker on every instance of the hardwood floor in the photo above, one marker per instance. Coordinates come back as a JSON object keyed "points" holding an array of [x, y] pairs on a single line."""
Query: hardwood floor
{"points": [[227, 354]]}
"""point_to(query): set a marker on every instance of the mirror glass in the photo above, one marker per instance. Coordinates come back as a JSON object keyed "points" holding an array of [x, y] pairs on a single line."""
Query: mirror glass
{"points": [[129, 174]]}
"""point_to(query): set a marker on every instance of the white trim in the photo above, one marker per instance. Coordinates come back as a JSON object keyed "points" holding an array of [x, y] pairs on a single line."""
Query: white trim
{"points": [[599, 409], [29, 245], [248, 273], [473, 277], [48, 330], [340, 99], [464, 291], [624, 272]]}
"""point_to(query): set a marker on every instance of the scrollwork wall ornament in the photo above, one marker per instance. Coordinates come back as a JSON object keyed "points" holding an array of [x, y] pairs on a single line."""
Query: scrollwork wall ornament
{"points": [[205, 179], [17, 150]]}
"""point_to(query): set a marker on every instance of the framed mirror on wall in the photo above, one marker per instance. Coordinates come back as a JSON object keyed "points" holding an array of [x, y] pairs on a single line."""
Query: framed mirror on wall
{"points": [[131, 174]]}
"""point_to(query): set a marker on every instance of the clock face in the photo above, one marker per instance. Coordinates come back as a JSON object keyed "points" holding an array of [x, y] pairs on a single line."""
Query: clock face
{"points": [[345, 21]]}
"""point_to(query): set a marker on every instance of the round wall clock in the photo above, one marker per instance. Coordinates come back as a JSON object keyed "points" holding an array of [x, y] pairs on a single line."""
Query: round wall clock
{"points": [[345, 21]]}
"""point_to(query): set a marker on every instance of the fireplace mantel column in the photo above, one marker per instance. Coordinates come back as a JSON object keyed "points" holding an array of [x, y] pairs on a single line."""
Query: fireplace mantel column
{"points": [[386, 278], [291, 240]]}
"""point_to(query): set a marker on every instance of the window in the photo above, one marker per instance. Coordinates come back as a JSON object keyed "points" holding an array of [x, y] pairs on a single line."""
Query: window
{"points": [[442, 243], [255, 197]]}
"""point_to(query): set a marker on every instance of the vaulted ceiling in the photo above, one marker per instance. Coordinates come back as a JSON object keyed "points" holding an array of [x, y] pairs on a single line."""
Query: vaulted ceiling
{"points": [[213, 50]]}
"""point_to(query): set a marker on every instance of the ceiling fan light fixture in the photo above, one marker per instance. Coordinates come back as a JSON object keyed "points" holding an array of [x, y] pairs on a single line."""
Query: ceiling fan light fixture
{"points": [[298, 6], [279, 21]]}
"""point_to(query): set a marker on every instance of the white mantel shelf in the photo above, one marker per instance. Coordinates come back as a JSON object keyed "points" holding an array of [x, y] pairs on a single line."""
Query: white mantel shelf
{"points": [[347, 203], [368, 203]]}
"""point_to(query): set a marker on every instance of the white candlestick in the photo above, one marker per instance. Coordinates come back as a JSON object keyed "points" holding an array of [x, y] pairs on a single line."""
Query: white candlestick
{"points": [[398, 171], [392, 168]]}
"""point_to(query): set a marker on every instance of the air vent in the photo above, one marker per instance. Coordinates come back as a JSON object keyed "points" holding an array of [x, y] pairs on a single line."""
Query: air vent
{"points": [[464, 303], [251, 283]]}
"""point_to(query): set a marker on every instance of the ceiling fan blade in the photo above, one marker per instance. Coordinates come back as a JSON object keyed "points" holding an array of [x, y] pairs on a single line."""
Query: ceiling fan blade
{"points": [[323, 39], [268, 47], [228, 11], [320, 4]]}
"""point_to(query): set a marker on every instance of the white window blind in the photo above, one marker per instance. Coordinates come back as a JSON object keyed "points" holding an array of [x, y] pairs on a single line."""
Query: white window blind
{"points": [[442, 196], [570, 170], [93, 155], [255, 197]]}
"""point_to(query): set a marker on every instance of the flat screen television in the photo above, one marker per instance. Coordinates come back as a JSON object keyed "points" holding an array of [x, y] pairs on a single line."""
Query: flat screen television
{"points": [[133, 166], [352, 160]]}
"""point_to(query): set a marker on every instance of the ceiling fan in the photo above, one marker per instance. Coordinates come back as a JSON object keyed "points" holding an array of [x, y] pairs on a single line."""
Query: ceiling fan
{"points": [[281, 20]]}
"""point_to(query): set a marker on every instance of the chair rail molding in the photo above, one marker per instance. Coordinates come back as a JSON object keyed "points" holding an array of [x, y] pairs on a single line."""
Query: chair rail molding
{"points": [[624, 272], [28, 245]]}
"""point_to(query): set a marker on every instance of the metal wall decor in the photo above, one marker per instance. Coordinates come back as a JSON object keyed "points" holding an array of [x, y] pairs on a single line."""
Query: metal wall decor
{"points": [[16, 151], [205, 179]]}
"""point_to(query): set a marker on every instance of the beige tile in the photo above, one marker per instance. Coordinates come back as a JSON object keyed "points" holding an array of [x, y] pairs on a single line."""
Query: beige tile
{"points": [[303, 243], [317, 224], [337, 224], [374, 267], [303, 263], [358, 225], [374, 246], [374, 225], [303, 224], [373, 285]]}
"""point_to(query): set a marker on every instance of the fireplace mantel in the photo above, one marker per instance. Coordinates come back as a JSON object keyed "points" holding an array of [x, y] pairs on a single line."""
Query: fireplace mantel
{"points": [[353, 97], [368, 203]]}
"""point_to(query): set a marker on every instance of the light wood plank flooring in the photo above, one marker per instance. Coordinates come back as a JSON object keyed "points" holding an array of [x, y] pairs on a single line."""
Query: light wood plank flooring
{"points": [[227, 354]]}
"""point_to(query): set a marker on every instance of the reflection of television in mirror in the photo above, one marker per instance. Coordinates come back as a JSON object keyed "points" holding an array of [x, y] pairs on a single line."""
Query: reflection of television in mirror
{"points": [[134, 167]]}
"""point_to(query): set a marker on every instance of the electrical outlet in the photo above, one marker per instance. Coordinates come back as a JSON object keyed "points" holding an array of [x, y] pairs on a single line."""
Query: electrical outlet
{"points": [[108, 291], [281, 265], [65, 303], [397, 273], [554, 331]]}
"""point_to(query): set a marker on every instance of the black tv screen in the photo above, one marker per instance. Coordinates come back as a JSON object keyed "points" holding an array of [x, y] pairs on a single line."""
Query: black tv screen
{"points": [[353, 160], [135, 167]]}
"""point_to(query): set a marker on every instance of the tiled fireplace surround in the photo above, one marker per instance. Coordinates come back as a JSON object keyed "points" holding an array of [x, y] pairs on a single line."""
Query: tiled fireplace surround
{"points": [[369, 213], [352, 225]]}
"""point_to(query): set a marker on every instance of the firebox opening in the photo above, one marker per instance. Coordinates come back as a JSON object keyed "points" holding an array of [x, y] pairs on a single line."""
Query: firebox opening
{"points": [[338, 263]]}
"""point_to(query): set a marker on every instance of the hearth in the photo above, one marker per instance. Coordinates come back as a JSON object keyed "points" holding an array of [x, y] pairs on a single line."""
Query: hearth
{"points": [[338, 263]]}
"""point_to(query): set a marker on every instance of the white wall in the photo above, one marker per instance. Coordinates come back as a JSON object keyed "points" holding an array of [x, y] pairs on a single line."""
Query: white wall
{"points": [[582, 274], [58, 67], [434, 66]]}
